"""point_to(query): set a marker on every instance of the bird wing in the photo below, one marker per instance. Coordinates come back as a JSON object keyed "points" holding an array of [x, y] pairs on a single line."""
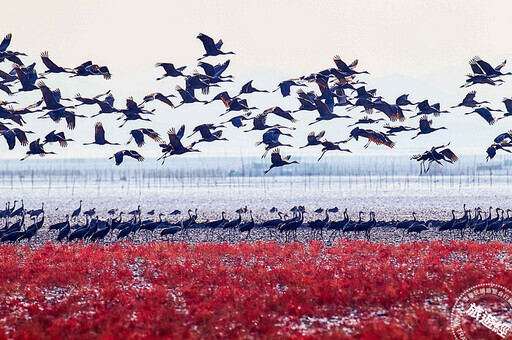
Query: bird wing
{"points": [[5, 43], [474, 65], [181, 132], [118, 156], [219, 44], [48, 62], [208, 43], [508, 104], [99, 132], [322, 108], [22, 76], [131, 104], [500, 66], [134, 154], [353, 64], [164, 99], [485, 114], [220, 68], [469, 97], [152, 134], [10, 138], [246, 87], [208, 69], [486, 67], [70, 120], [138, 136], [449, 154], [424, 105], [424, 124], [22, 137], [275, 157], [174, 140], [340, 64], [49, 98]]}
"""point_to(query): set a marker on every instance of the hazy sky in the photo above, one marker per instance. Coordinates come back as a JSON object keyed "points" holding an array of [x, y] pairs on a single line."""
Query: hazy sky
{"points": [[416, 47]]}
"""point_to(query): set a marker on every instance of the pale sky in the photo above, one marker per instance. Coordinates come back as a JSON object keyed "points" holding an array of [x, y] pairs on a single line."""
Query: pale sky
{"points": [[416, 47]]}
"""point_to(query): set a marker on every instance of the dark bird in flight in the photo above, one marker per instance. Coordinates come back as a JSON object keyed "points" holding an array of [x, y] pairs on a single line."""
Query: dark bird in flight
{"points": [[90, 101], [426, 127], [248, 88], [469, 101], [347, 70], [212, 49], [160, 97], [378, 138], [278, 161], [52, 67], [331, 146], [118, 156], [314, 139], [11, 135], [485, 113], [59, 137], [99, 135], [281, 113], [175, 147], [433, 155], [285, 86], [138, 136], [36, 148], [170, 70], [324, 112]]}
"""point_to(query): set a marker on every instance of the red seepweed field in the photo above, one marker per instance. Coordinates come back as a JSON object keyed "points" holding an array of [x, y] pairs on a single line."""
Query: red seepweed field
{"points": [[244, 290]]}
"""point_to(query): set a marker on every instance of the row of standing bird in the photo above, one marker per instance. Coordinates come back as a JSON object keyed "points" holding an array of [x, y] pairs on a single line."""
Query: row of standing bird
{"points": [[287, 223], [334, 85]]}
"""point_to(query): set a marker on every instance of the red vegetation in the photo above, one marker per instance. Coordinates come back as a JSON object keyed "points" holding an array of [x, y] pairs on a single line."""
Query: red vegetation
{"points": [[354, 289]]}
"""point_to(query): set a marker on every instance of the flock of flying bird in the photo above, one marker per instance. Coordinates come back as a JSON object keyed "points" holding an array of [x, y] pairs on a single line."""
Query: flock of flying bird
{"points": [[478, 225], [337, 86]]}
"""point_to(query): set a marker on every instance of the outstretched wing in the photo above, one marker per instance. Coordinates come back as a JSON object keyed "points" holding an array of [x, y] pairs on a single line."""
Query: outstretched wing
{"points": [[447, 153], [181, 132], [99, 132], [5, 43], [340, 64], [275, 157], [48, 62]]}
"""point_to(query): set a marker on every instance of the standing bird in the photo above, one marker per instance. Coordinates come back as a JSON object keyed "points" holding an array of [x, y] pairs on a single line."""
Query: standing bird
{"points": [[211, 48], [170, 70], [426, 127], [278, 161], [99, 136], [118, 156], [36, 148], [76, 213]]}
